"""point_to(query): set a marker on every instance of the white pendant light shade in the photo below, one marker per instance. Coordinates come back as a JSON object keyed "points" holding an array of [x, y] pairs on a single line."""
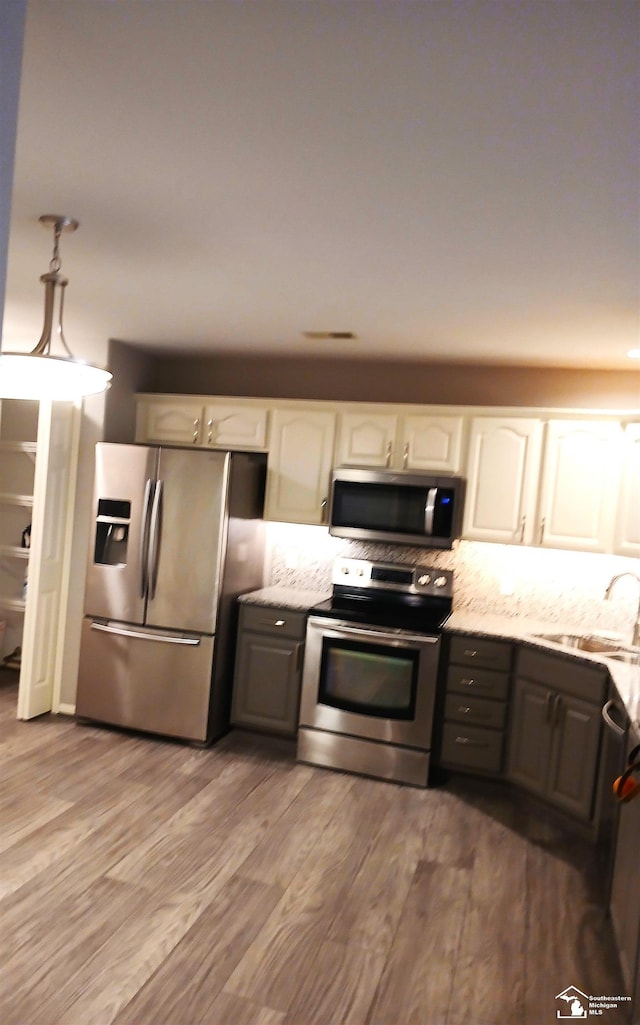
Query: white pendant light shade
{"points": [[40, 374], [24, 375]]}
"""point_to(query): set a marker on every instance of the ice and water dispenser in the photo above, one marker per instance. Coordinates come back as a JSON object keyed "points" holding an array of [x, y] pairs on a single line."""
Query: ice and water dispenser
{"points": [[112, 532]]}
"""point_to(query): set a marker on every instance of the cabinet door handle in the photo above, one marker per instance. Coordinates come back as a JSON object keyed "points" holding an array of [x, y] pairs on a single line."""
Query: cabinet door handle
{"points": [[196, 430], [389, 451], [542, 526], [609, 721], [548, 707], [210, 431], [523, 524], [323, 510], [557, 709], [405, 456]]}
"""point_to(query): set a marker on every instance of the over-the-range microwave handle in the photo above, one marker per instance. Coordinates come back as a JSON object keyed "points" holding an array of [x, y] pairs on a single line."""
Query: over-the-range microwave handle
{"points": [[144, 539], [123, 631], [400, 640], [429, 509]]}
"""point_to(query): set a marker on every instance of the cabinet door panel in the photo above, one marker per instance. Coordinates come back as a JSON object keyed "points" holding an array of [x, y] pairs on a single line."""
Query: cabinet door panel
{"points": [[235, 427], [431, 443], [176, 422], [579, 485], [266, 691], [366, 439], [530, 736], [574, 756], [300, 459], [627, 541], [502, 474]]}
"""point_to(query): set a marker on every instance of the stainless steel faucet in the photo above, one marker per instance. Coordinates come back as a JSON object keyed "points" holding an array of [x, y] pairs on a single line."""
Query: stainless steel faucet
{"points": [[635, 640]]}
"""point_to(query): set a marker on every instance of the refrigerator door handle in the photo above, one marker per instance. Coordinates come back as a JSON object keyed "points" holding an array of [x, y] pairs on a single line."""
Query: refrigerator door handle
{"points": [[120, 631], [154, 537], [144, 539]]}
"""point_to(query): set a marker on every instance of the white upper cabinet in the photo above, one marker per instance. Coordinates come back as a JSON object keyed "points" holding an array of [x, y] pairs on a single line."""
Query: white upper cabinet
{"points": [[366, 439], [299, 465], [414, 441], [502, 478], [627, 537], [234, 426], [177, 421], [579, 485], [216, 424], [431, 442]]}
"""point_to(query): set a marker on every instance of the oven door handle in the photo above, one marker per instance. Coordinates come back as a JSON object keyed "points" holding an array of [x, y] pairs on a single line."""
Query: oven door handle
{"points": [[372, 633]]}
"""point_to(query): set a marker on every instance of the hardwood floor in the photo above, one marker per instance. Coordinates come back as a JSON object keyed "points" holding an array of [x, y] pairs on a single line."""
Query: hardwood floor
{"points": [[144, 882]]}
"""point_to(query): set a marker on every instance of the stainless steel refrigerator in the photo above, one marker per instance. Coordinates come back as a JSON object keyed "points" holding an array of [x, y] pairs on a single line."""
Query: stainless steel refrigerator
{"points": [[177, 535]]}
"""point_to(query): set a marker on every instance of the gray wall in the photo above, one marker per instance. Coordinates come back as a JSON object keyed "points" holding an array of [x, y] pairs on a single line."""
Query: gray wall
{"points": [[12, 17], [386, 381], [132, 372]]}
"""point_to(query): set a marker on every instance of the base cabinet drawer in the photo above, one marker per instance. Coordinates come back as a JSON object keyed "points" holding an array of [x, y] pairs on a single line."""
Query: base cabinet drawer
{"points": [[475, 704], [471, 747], [475, 711]]}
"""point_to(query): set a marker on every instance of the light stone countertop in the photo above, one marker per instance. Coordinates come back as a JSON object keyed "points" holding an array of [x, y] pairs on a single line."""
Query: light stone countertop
{"points": [[284, 597]]}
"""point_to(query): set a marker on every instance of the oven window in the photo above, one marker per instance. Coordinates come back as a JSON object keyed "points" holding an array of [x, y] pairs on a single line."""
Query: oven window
{"points": [[369, 678]]}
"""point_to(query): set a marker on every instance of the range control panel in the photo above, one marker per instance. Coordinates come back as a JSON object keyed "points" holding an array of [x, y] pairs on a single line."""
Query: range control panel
{"points": [[360, 573]]}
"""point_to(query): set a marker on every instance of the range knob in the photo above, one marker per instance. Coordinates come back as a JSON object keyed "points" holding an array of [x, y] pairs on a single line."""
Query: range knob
{"points": [[440, 581], [345, 570], [424, 579]]}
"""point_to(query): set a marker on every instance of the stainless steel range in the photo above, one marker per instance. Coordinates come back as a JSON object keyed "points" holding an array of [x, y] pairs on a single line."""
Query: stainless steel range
{"points": [[371, 668]]}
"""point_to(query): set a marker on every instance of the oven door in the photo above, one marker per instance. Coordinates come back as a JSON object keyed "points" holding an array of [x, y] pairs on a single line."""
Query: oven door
{"points": [[369, 682]]}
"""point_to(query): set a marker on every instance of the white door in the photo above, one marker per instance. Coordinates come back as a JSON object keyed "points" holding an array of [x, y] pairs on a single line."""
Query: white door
{"points": [[180, 423], [579, 485], [299, 466], [431, 442], [627, 540], [366, 439], [502, 477], [53, 488]]}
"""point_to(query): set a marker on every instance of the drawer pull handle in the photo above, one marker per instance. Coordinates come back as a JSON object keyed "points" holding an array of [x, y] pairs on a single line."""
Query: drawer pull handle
{"points": [[467, 681], [471, 743], [464, 709], [470, 653], [279, 622]]}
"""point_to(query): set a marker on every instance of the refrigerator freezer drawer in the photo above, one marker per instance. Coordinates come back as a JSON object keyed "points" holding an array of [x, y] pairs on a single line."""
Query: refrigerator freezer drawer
{"points": [[155, 681]]}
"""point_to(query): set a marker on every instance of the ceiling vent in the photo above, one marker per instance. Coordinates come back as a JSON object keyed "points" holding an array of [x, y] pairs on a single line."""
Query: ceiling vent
{"points": [[324, 335]]}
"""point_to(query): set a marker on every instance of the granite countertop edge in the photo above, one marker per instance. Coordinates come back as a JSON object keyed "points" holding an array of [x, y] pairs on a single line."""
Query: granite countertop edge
{"points": [[284, 597]]}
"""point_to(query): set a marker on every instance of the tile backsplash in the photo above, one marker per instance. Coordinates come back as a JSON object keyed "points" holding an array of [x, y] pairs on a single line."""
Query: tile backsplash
{"points": [[546, 584]]}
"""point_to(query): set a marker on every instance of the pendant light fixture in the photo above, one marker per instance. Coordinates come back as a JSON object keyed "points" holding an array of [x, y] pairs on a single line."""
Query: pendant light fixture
{"points": [[40, 374]]}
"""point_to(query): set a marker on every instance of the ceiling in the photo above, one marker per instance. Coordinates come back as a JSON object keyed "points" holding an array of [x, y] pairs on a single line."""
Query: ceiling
{"points": [[446, 179]]}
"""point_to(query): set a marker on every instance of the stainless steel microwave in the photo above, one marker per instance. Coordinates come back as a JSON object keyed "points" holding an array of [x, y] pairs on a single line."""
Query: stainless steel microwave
{"points": [[396, 506]]}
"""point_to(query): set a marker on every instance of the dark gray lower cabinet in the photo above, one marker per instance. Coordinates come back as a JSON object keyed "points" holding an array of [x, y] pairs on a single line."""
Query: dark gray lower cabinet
{"points": [[625, 897], [554, 735], [268, 672]]}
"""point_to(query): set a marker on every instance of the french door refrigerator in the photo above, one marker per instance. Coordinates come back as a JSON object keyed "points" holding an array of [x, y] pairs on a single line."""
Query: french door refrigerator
{"points": [[177, 535]]}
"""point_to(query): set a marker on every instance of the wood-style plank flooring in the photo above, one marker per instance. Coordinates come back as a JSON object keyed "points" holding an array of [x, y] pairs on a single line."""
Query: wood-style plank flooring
{"points": [[144, 882]]}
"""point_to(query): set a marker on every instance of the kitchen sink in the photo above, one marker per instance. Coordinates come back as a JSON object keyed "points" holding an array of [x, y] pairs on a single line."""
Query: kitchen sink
{"points": [[593, 643]]}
